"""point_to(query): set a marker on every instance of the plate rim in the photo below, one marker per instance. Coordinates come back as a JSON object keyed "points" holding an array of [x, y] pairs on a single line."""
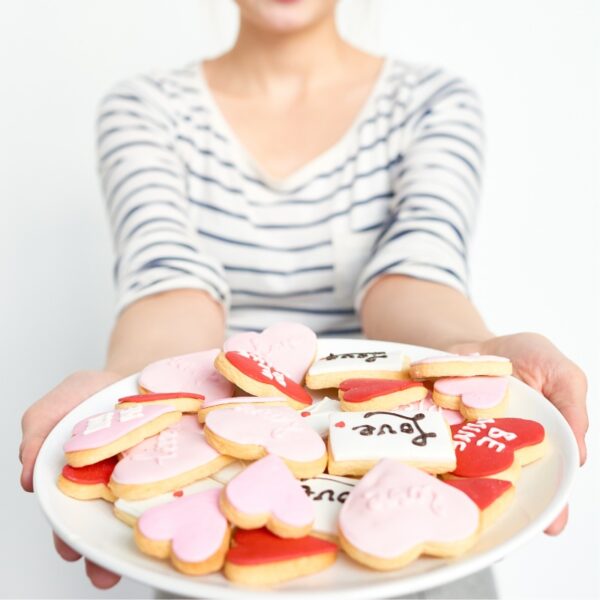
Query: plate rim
{"points": [[455, 569]]}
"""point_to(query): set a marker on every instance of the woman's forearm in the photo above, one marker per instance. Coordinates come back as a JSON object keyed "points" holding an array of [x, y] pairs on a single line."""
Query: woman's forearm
{"points": [[162, 325], [412, 311]]}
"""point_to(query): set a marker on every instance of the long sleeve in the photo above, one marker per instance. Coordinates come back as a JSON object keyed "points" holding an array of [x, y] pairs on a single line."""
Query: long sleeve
{"points": [[144, 184], [435, 191]]}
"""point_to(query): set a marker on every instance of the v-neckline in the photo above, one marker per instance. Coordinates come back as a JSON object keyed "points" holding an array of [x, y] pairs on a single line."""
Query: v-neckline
{"points": [[310, 167]]}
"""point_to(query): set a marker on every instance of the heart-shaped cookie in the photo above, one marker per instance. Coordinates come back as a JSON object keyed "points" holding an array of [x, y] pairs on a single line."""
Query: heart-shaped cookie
{"points": [[88, 483], [496, 447], [460, 365], [267, 494], [289, 347], [474, 397], [249, 432], [182, 401], [379, 394], [190, 530], [194, 373], [395, 513], [258, 557], [176, 457]]}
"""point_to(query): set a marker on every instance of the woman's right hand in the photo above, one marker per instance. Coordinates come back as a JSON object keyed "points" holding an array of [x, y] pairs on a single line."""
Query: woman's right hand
{"points": [[37, 422]]}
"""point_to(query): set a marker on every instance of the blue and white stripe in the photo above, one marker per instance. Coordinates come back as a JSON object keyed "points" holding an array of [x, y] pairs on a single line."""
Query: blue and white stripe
{"points": [[189, 209]]}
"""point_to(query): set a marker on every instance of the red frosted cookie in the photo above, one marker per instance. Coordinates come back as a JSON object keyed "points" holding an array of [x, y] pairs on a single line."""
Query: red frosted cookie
{"points": [[496, 447], [182, 401], [88, 483], [254, 375], [379, 394], [258, 557]]}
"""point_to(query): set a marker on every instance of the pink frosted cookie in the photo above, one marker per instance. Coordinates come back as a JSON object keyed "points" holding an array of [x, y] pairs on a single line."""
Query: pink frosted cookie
{"points": [[181, 401], [192, 373], [288, 347], [379, 394], [104, 435], [395, 513], [210, 405], [474, 397], [496, 447], [190, 530], [358, 440], [253, 374], [251, 432], [267, 494], [460, 365], [176, 457]]}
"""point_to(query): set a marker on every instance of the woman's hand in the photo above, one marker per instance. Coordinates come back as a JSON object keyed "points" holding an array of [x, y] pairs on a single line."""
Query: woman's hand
{"points": [[540, 364], [38, 421]]}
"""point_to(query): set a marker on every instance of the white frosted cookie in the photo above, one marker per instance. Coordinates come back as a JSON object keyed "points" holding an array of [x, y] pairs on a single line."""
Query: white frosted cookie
{"points": [[329, 371], [460, 365]]}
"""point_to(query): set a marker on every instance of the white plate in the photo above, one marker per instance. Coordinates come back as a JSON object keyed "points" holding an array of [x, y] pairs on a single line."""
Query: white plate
{"points": [[91, 528]]}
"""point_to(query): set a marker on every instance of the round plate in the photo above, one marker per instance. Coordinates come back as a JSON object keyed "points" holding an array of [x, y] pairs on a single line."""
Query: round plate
{"points": [[92, 530]]}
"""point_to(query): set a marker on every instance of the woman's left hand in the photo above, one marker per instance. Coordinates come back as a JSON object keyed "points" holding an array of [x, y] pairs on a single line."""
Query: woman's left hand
{"points": [[541, 365]]}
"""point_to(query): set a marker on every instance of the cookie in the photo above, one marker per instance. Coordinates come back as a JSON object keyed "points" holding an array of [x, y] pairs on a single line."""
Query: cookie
{"points": [[492, 497], [474, 397], [181, 401], [251, 432], [226, 474], [395, 513], [191, 531], [172, 459], [88, 483], [254, 375], [258, 557], [317, 414], [379, 394], [452, 417], [211, 405], [496, 447], [460, 365], [106, 434], [266, 494], [357, 441], [328, 493], [331, 370], [129, 511], [192, 373], [288, 347]]}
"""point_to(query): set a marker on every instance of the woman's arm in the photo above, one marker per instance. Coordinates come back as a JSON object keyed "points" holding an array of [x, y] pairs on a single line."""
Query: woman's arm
{"points": [[408, 310]]}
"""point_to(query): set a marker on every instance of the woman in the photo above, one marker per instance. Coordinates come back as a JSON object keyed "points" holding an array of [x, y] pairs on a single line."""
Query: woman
{"points": [[293, 178]]}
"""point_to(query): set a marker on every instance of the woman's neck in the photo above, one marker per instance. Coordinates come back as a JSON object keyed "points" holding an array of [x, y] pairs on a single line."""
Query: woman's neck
{"points": [[271, 63]]}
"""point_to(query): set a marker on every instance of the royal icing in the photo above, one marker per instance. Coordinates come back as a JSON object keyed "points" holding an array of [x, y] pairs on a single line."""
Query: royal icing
{"points": [[136, 508], [279, 429], [289, 347], [194, 524], [359, 361], [241, 400], [194, 373], [409, 436], [101, 430], [254, 366], [267, 486], [99, 472], [361, 390], [484, 492], [394, 508], [317, 415], [143, 398], [328, 493], [487, 446], [475, 392], [175, 450], [260, 546], [463, 358]]}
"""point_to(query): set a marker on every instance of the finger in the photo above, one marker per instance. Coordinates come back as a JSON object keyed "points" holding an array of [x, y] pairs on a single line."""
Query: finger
{"points": [[559, 523], [27, 454], [66, 552], [99, 576]]}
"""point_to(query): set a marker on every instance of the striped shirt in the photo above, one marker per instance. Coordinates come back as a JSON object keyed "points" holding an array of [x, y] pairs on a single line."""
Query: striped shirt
{"points": [[189, 208]]}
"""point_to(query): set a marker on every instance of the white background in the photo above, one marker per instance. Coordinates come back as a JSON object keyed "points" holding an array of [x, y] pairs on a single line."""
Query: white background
{"points": [[534, 268]]}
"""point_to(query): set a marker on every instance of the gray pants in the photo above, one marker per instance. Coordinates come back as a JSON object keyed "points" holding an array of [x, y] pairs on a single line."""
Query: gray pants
{"points": [[479, 586]]}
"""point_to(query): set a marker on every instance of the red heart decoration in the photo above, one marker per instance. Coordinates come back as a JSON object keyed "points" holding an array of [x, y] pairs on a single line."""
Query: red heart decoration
{"points": [[260, 546], [340, 424]]}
